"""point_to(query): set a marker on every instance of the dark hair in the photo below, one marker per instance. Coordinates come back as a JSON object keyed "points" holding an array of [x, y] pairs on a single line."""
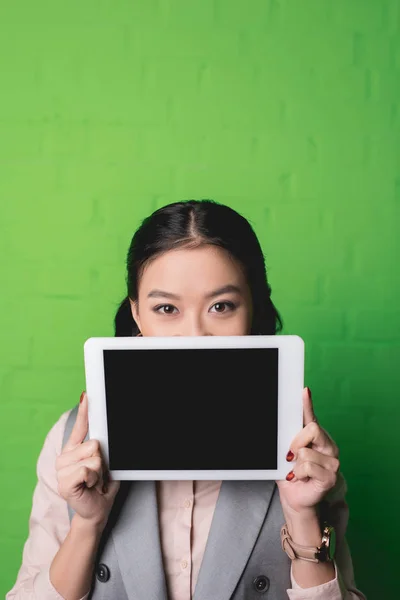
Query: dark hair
{"points": [[192, 223]]}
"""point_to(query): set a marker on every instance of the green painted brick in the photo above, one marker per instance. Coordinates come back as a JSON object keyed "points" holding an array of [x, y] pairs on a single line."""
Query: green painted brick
{"points": [[287, 111], [44, 383], [376, 325]]}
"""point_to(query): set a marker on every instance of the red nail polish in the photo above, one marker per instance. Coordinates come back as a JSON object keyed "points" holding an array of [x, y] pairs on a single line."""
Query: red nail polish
{"points": [[290, 476], [289, 456], [82, 397], [309, 393]]}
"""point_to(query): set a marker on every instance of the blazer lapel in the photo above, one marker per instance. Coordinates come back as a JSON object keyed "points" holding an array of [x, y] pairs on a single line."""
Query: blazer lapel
{"points": [[239, 514], [136, 538]]}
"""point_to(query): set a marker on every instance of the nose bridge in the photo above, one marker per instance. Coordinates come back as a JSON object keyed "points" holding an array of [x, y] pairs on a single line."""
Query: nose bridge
{"points": [[193, 325]]}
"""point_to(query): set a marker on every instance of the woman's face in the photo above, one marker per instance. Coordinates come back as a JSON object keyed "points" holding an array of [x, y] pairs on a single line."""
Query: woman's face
{"points": [[193, 292]]}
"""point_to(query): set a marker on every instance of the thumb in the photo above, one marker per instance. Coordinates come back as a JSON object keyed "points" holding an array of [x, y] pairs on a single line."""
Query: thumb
{"points": [[81, 425], [308, 408]]}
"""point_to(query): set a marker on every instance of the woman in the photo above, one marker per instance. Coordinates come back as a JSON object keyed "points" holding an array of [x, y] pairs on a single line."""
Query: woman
{"points": [[194, 268]]}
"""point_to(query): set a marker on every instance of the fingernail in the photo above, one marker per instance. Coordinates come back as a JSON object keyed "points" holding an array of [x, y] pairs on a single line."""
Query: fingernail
{"points": [[104, 489], [290, 476], [309, 393], [82, 397], [289, 456]]}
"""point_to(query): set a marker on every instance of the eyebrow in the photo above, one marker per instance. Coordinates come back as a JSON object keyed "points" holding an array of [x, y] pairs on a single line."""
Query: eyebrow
{"points": [[226, 289]]}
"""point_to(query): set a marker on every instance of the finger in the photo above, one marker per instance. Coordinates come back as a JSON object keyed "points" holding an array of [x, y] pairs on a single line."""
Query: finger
{"points": [[332, 445], [313, 434], [330, 463], [81, 425], [106, 481], [308, 408], [324, 478], [94, 463], [73, 484], [84, 450], [112, 489]]}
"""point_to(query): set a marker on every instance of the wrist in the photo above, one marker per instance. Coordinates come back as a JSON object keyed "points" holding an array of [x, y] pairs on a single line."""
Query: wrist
{"points": [[304, 527], [322, 552], [88, 527], [303, 517]]}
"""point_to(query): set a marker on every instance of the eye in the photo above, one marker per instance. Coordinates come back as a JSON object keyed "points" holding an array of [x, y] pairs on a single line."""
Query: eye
{"points": [[220, 307], [168, 309]]}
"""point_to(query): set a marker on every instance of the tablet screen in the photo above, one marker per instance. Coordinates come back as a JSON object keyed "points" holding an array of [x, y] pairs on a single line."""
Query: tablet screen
{"points": [[194, 409]]}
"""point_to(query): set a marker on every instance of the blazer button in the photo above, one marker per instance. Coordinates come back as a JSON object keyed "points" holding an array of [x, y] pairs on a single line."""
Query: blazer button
{"points": [[102, 573], [261, 584]]}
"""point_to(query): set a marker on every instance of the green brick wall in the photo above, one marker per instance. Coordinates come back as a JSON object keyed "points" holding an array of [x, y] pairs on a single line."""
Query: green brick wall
{"points": [[286, 110]]}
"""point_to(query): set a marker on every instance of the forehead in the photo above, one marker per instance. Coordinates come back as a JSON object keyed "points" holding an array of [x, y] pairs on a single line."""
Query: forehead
{"points": [[193, 267]]}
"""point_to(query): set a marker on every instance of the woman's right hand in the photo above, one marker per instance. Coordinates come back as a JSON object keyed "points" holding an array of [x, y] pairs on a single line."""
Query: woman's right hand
{"points": [[83, 479]]}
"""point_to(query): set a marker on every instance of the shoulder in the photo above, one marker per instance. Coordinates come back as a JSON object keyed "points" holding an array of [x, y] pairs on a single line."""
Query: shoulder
{"points": [[56, 432], [46, 497], [53, 442]]}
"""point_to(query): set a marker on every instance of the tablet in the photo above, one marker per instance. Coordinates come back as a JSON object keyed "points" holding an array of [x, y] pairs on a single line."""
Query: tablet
{"points": [[204, 407]]}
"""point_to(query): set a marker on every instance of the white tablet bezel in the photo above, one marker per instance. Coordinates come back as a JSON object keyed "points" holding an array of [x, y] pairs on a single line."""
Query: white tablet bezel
{"points": [[290, 386]]}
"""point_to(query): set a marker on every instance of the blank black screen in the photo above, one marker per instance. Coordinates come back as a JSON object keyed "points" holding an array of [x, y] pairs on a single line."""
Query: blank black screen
{"points": [[192, 408]]}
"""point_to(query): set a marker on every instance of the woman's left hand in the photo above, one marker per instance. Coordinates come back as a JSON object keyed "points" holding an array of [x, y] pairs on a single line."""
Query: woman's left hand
{"points": [[317, 465]]}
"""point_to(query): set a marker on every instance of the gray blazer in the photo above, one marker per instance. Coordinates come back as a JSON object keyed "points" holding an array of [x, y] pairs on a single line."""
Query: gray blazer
{"points": [[243, 559]]}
